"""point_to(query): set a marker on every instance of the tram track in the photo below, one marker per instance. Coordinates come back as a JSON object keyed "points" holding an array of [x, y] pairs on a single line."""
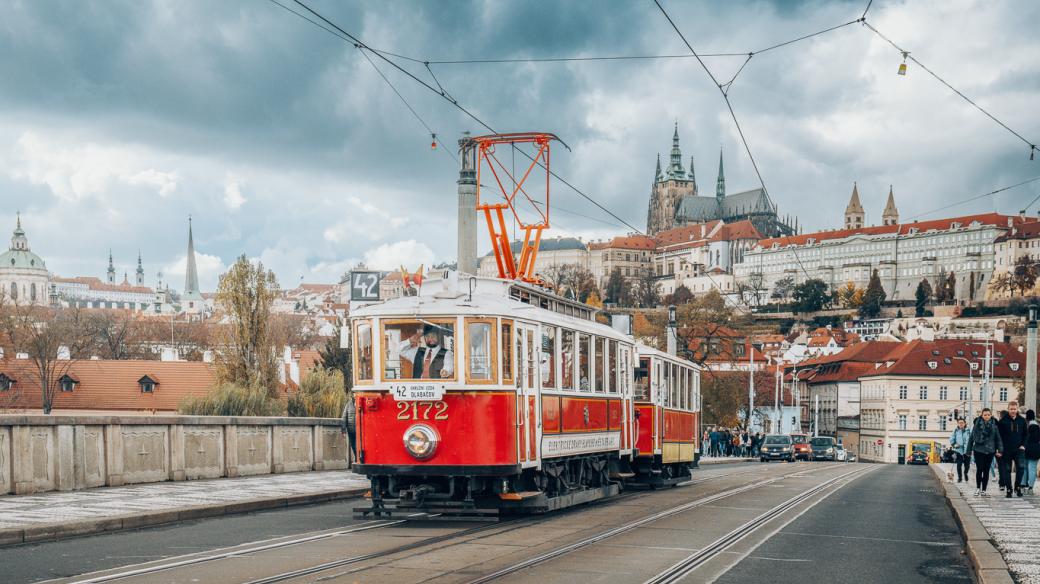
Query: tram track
{"points": [[281, 543], [593, 539]]}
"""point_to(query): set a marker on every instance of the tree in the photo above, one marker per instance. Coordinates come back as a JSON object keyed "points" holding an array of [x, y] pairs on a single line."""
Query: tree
{"points": [[593, 300], [749, 291], [723, 394], [921, 295], [1024, 274], [648, 290], [321, 395], [336, 358], [951, 287], [945, 287], [53, 340], [849, 295], [783, 288], [572, 279], [873, 298], [248, 356], [1003, 283], [617, 290], [682, 295], [811, 295]]}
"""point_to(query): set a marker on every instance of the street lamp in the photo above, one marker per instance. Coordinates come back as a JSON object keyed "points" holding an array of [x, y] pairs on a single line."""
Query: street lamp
{"points": [[972, 366], [752, 345]]}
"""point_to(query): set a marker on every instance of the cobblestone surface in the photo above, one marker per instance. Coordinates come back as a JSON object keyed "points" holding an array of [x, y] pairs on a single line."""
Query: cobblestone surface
{"points": [[101, 503], [1014, 525]]}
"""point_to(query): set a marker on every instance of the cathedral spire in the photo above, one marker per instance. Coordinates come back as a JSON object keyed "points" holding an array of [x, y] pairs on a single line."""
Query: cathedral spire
{"points": [[890, 216], [111, 268], [854, 214], [140, 270], [693, 177], [657, 174], [720, 184], [675, 168], [191, 275]]}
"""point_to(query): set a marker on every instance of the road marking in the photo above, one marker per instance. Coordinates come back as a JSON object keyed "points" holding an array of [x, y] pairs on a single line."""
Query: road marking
{"points": [[776, 559], [935, 543]]}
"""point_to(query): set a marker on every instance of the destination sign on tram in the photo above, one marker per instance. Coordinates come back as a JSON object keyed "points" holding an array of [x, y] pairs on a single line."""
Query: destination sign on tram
{"points": [[417, 392]]}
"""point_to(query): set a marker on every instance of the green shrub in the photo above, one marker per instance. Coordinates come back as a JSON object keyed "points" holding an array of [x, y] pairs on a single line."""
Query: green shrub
{"points": [[229, 399], [321, 395]]}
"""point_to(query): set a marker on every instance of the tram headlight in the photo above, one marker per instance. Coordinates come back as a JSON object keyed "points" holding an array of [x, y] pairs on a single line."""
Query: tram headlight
{"points": [[421, 441]]}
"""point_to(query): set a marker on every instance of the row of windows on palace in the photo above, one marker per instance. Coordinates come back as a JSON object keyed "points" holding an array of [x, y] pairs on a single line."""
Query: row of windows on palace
{"points": [[567, 360], [923, 393], [875, 420]]}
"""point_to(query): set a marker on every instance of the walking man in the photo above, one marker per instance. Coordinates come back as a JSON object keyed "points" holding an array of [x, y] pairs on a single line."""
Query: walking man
{"points": [[1013, 436], [1032, 450], [983, 443], [961, 455]]}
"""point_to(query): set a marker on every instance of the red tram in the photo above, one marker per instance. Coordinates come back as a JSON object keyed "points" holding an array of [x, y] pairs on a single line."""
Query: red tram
{"points": [[495, 396]]}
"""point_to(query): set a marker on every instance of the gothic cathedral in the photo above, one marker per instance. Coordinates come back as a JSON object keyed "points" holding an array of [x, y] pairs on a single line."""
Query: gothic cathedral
{"points": [[675, 201]]}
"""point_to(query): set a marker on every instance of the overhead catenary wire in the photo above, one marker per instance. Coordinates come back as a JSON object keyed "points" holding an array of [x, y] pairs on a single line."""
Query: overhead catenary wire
{"points": [[977, 197], [361, 45]]}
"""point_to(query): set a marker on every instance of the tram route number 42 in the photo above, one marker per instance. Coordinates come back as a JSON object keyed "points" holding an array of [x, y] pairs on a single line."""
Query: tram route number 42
{"points": [[364, 286], [417, 392]]}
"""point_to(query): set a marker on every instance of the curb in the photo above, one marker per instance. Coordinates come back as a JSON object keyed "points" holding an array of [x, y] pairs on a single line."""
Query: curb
{"points": [[726, 460], [990, 567], [55, 531]]}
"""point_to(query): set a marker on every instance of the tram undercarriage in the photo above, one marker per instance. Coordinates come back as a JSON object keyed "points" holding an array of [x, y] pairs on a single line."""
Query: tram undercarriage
{"points": [[560, 483], [656, 474]]}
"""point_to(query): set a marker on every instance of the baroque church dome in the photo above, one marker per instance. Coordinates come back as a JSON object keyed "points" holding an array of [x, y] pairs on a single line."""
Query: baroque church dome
{"points": [[19, 256]]}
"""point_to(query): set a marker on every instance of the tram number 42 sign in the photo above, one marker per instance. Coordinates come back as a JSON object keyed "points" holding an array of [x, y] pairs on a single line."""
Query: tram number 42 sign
{"points": [[417, 392], [364, 286]]}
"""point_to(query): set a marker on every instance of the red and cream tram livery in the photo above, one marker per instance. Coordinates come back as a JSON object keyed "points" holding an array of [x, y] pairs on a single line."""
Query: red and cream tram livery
{"points": [[487, 395], [668, 405]]}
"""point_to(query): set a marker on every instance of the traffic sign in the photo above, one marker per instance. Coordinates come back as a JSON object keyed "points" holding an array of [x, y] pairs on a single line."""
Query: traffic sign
{"points": [[880, 442]]}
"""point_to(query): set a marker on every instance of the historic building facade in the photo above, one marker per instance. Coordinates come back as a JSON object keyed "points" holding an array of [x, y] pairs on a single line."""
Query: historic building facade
{"points": [[675, 201], [902, 253], [23, 275]]}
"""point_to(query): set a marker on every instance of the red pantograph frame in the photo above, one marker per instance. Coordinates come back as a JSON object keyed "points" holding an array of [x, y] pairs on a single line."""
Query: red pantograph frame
{"points": [[508, 267]]}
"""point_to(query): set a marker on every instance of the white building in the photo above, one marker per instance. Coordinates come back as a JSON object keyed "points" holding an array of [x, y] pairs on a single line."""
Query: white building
{"points": [[903, 254], [90, 292], [914, 394], [701, 256], [552, 252], [23, 275]]}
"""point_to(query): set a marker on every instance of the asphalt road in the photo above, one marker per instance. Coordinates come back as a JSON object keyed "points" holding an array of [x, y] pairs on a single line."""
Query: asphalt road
{"points": [[71, 557], [892, 525]]}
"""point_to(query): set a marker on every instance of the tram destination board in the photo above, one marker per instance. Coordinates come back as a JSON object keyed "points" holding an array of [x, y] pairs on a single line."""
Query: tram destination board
{"points": [[419, 392], [364, 286]]}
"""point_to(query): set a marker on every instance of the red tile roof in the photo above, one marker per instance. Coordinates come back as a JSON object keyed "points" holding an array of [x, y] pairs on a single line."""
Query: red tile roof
{"points": [[916, 358], [901, 229], [1022, 231], [113, 385], [686, 233]]}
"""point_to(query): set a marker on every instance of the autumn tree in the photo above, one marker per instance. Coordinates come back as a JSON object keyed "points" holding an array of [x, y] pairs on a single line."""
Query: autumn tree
{"points": [[593, 300], [52, 339], [338, 358], [849, 296], [648, 289], [1024, 275], [873, 297], [682, 295], [248, 355], [572, 280], [617, 289]]}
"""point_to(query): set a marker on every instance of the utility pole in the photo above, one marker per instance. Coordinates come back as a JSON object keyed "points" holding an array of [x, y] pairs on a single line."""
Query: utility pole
{"points": [[816, 416], [1031, 360], [751, 383], [672, 329], [776, 397]]}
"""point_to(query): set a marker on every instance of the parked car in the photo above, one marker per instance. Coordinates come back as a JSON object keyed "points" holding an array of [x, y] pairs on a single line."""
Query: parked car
{"points": [[840, 454], [801, 446], [776, 447], [822, 448]]}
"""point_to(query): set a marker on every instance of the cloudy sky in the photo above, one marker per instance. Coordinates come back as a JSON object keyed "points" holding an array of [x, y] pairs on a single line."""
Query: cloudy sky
{"points": [[119, 119]]}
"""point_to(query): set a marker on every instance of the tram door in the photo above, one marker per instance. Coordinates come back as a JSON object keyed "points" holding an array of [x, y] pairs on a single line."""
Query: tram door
{"points": [[528, 408]]}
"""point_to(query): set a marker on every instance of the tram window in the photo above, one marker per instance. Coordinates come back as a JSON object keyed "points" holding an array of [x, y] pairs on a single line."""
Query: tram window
{"points": [[673, 387], [665, 384], [419, 349], [548, 362], [530, 358], [583, 362], [642, 375], [612, 357], [567, 359], [480, 345], [363, 351], [685, 388], [597, 364], [507, 352]]}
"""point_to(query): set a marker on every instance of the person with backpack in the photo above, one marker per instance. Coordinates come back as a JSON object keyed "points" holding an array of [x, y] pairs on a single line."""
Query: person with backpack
{"points": [[1032, 450], [961, 455], [984, 443]]}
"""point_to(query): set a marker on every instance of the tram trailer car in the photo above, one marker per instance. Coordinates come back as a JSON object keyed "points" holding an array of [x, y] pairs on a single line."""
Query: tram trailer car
{"points": [[668, 404], [489, 396]]}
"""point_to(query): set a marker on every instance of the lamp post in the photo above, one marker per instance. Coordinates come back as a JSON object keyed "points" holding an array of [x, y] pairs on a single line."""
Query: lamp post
{"points": [[673, 341], [972, 366], [751, 381], [1031, 349]]}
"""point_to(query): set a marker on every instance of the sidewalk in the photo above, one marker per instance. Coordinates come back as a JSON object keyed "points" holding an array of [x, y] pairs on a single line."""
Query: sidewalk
{"points": [[1011, 525], [28, 518], [724, 459]]}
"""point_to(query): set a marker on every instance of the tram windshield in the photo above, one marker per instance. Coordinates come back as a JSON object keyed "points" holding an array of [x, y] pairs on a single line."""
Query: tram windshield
{"points": [[643, 380], [419, 349]]}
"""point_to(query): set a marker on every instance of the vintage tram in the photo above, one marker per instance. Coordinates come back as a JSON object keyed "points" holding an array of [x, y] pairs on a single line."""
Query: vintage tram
{"points": [[488, 396]]}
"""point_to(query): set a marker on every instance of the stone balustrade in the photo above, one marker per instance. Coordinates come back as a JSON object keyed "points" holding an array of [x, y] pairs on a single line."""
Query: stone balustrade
{"points": [[62, 453]]}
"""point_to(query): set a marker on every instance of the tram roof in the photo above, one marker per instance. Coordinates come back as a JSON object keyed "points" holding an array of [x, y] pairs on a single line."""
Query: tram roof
{"points": [[490, 297], [642, 349]]}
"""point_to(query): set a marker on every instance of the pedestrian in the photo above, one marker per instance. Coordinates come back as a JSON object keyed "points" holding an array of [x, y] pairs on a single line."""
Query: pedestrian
{"points": [[1032, 450], [1013, 436], [959, 445], [996, 463], [736, 443], [984, 443], [745, 444]]}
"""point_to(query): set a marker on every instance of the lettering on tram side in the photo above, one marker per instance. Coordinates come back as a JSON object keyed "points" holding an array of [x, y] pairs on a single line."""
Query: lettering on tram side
{"points": [[580, 443], [417, 392]]}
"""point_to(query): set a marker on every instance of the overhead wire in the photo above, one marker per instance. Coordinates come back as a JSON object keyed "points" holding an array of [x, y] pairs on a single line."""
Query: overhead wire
{"points": [[361, 45], [977, 197]]}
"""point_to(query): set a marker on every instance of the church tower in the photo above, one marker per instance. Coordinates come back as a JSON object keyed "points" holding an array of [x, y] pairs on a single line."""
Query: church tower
{"points": [[720, 183], [140, 270], [111, 269], [192, 301], [854, 214], [891, 215]]}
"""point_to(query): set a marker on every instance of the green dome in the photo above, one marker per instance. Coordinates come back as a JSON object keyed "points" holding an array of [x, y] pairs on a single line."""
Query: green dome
{"points": [[17, 258]]}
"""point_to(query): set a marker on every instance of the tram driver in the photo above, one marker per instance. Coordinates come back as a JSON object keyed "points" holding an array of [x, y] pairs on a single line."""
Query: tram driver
{"points": [[428, 358]]}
